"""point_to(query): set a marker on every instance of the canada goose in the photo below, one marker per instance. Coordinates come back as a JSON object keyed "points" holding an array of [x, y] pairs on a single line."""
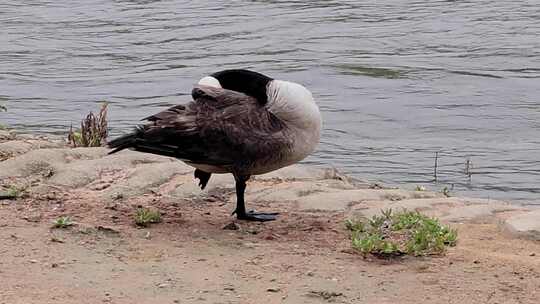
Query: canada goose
{"points": [[240, 122]]}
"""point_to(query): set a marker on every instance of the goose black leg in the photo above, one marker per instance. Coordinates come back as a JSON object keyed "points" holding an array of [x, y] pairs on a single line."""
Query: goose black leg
{"points": [[203, 177], [240, 210]]}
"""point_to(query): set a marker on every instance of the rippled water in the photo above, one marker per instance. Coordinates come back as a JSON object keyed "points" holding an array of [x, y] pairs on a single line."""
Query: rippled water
{"points": [[396, 80]]}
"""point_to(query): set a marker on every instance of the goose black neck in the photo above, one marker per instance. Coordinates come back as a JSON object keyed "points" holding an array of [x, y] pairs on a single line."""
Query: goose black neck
{"points": [[248, 82]]}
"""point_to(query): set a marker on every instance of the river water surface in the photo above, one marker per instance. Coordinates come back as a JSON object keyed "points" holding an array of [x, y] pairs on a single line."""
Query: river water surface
{"points": [[397, 81]]}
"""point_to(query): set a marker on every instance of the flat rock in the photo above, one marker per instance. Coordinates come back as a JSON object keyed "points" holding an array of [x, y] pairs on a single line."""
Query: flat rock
{"points": [[23, 146], [303, 172], [293, 190], [80, 172], [7, 135], [433, 206], [15, 146], [365, 201], [525, 225], [478, 212], [342, 200], [185, 185], [144, 178], [23, 165], [291, 173]]}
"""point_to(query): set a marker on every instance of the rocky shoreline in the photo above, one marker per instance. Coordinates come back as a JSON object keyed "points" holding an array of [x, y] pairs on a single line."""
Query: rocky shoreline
{"points": [[43, 166]]}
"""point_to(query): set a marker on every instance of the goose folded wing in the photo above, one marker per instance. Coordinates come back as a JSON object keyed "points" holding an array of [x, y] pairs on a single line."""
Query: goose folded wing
{"points": [[220, 127]]}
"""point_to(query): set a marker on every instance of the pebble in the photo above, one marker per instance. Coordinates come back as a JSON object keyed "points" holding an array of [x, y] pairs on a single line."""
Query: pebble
{"points": [[231, 226], [107, 230], [33, 218]]}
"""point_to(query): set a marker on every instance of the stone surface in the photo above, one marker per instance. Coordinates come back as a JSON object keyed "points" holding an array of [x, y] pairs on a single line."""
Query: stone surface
{"points": [[144, 178], [525, 225], [23, 146], [22, 165], [478, 212], [42, 166], [434, 206], [341, 200], [6, 135]]}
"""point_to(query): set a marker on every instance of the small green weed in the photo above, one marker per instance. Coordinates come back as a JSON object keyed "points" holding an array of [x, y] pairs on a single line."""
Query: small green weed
{"points": [[144, 217], [446, 192], [13, 192], [420, 188], [62, 222], [406, 232], [354, 225]]}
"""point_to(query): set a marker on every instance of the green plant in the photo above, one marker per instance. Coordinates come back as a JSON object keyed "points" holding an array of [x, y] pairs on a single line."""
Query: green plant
{"points": [[354, 225], [14, 192], [405, 232], [93, 132], [62, 222], [144, 217], [446, 191]]}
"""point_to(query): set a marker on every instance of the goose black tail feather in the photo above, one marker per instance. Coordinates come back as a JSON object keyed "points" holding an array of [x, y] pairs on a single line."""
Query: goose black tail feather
{"points": [[125, 141], [137, 141]]}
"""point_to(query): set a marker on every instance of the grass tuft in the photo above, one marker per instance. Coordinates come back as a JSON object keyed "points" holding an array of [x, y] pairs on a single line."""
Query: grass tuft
{"points": [[93, 132], [144, 217], [405, 232], [63, 222], [13, 191], [446, 192]]}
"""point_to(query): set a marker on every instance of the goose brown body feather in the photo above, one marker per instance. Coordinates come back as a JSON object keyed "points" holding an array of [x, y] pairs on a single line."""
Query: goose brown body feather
{"points": [[220, 131]]}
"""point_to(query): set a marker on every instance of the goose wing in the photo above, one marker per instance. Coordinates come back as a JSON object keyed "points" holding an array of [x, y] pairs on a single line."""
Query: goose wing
{"points": [[219, 127]]}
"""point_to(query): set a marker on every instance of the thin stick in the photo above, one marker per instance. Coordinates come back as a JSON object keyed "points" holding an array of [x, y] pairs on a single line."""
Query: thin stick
{"points": [[436, 164], [468, 168]]}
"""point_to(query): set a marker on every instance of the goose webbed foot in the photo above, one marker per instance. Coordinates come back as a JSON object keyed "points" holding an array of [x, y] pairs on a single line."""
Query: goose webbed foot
{"points": [[240, 210], [257, 216], [203, 177]]}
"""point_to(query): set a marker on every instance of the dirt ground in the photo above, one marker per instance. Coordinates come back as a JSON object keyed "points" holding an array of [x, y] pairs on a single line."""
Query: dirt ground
{"points": [[303, 257]]}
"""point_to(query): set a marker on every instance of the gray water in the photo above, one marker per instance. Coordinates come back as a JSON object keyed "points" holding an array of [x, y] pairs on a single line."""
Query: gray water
{"points": [[396, 80]]}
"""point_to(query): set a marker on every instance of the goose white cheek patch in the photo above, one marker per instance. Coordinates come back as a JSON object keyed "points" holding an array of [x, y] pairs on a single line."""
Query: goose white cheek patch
{"points": [[210, 81]]}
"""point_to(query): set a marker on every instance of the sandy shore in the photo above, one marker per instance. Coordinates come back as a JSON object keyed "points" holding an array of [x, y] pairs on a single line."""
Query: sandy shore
{"points": [[304, 257]]}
